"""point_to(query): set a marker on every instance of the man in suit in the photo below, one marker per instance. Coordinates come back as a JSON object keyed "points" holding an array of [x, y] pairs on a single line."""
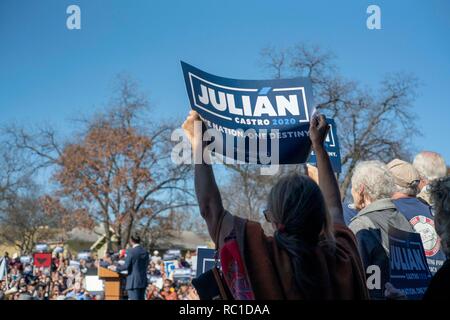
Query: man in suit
{"points": [[136, 263]]}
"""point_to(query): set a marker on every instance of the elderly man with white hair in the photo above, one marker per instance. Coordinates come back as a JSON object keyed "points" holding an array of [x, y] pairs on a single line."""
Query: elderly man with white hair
{"points": [[372, 187], [417, 212], [431, 166]]}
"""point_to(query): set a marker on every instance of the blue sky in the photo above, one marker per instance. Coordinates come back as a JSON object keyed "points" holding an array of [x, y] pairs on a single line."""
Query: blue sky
{"points": [[49, 73]]}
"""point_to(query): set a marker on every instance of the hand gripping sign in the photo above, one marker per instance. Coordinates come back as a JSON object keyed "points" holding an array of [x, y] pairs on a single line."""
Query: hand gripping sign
{"points": [[332, 146], [254, 121]]}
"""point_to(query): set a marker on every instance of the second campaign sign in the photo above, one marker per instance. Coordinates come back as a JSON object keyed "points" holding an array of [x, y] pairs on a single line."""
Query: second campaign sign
{"points": [[409, 269], [261, 121]]}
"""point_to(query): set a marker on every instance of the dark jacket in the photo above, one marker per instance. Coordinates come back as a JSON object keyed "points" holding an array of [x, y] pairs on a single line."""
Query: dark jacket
{"points": [[136, 264], [371, 227], [440, 284]]}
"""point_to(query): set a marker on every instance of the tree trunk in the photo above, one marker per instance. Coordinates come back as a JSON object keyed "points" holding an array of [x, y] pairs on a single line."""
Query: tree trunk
{"points": [[127, 232], [107, 234]]}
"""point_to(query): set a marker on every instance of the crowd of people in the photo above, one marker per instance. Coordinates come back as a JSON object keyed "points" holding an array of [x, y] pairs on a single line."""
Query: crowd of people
{"points": [[320, 248], [66, 278], [398, 194]]}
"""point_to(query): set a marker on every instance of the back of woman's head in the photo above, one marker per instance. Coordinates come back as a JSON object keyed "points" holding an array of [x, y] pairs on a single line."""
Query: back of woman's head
{"points": [[297, 207], [297, 204]]}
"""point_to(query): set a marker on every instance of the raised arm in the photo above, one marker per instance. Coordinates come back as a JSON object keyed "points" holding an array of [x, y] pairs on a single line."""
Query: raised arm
{"points": [[208, 194], [327, 180]]}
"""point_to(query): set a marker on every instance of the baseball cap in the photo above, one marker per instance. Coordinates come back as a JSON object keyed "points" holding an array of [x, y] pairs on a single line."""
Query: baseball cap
{"points": [[403, 172]]}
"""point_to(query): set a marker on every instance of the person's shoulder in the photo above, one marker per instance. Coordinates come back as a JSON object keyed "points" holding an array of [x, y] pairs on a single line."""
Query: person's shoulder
{"points": [[359, 223], [360, 228], [140, 250], [343, 246], [342, 230], [254, 224], [343, 234], [254, 227]]}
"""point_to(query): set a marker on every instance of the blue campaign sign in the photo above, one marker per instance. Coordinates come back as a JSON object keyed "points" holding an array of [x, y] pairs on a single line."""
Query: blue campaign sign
{"points": [[264, 121], [170, 266], [205, 260], [408, 264], [332, 147]]}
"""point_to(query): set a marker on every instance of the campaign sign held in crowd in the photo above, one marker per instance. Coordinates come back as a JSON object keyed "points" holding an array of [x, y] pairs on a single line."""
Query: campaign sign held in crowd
{"points": [[409, 270], [259, 121], [205, 260], [332, 147], [41, 247], [25, 259], [170, 266], [42, 260]]}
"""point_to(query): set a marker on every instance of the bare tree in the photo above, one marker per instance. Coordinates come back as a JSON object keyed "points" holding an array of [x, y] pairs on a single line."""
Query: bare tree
{"points": [[372, 124], [246, 196], [14, 173], [245, 191], [23, 222], [117, 167]]}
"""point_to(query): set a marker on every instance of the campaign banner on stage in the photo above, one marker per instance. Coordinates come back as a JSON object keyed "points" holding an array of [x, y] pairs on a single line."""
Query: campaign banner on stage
{"points": [[259, 121], [42, 260], [409, 269], [205, 260], [332, 147]]}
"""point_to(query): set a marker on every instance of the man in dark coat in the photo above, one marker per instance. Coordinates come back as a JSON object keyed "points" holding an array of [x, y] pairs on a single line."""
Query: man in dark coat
{"points": [[136, 263]]}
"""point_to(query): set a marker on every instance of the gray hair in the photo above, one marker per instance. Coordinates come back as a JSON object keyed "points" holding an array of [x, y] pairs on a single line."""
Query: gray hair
{"points": [[440, 194], [430, 165], [378, 182]]}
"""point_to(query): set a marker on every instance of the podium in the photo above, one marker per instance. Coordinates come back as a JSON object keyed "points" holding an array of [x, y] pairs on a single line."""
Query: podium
{"points": [[114, 284]]}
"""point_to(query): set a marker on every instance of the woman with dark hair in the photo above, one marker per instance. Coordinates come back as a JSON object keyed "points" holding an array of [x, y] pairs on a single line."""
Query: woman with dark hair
{"points": [[312, 254]]}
